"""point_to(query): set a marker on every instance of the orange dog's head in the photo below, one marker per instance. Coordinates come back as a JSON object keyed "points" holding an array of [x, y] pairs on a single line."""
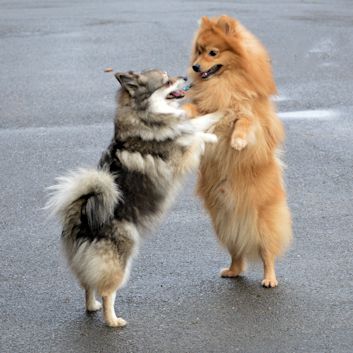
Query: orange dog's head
{"points": [[224, 50]]}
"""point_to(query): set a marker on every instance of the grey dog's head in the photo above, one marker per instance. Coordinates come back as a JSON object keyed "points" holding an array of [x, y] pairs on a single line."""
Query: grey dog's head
{"points": [[140, 86]]}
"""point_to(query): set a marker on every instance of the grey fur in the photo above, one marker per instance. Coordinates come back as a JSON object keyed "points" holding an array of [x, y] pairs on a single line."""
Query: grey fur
{"points": [[104, 211]]}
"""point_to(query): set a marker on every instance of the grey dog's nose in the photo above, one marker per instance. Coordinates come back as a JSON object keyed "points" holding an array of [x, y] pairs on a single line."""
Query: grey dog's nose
{"points": [[196, 68], [185, 78]]}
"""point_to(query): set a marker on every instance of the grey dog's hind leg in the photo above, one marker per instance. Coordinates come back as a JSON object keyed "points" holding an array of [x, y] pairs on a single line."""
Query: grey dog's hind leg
{"points": [[91, 303], [109, 311]]}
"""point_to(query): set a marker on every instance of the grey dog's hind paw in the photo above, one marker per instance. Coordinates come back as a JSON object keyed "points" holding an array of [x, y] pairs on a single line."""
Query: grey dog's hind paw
{"points": [[116, 322], [94, 306]]}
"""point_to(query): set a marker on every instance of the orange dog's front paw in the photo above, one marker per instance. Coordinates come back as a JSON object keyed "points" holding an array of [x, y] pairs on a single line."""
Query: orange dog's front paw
{"points": [[238, 143]]}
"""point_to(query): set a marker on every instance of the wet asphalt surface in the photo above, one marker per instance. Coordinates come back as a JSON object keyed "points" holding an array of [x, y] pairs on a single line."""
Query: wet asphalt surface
{"points": [[56, 110]]}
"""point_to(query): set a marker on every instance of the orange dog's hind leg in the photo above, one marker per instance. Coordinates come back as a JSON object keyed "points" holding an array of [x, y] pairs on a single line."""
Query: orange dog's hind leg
{"points": [[268, 259], [275, 232], [236, 267]]}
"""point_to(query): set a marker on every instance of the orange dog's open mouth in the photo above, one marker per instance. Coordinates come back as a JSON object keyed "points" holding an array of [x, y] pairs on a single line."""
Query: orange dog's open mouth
{"points": [[211, 71]]}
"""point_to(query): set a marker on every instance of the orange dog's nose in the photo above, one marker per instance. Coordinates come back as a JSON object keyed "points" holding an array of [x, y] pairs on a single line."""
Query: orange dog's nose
{"points": [[196, 68]]}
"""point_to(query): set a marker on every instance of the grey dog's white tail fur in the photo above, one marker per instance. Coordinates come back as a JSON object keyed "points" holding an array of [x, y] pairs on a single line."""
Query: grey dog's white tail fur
{"points": [[97, 186]]}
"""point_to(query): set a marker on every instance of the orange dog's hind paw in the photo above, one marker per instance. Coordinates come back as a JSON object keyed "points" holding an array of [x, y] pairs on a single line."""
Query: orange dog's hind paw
{"points": [[227, 273], [269, 283]]}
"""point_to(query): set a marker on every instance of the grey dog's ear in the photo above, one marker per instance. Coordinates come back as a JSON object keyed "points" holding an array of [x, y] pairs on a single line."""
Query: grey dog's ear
{"points": [[128, 80]]}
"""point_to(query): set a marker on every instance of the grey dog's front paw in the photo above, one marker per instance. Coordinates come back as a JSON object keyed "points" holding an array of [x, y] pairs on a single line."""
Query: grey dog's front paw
{"points": [[210, 138], [214, 117]]}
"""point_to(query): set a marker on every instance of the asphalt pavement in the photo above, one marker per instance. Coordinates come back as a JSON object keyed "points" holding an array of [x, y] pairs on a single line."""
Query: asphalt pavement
{"points": [[56, 111]]}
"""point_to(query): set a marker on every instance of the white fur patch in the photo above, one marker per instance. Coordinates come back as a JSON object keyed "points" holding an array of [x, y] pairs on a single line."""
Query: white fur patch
{"points": [[147, 164], [159, 104], [132, 160]]}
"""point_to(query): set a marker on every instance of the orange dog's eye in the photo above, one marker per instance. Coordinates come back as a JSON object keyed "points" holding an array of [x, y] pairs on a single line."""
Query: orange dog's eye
{"points": [[212, 53]]}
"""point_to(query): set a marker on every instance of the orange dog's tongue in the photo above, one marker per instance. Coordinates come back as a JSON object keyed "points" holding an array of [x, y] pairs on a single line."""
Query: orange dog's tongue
{"points": [[204, 74]]}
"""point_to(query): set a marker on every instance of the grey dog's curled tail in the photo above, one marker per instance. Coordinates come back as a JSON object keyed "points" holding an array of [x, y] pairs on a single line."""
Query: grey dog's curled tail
{"points": [[97, 187]]}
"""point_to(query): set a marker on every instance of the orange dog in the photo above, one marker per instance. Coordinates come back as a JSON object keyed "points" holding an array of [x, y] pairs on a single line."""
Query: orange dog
{"points": [[240, 177]]}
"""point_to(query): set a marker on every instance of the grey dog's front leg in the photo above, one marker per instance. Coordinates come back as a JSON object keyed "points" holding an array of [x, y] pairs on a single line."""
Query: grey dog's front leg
{"points": [[204, 122]]}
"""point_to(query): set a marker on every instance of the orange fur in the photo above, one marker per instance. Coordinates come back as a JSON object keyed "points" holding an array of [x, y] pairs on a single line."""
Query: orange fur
{"points": [[240, 178]]}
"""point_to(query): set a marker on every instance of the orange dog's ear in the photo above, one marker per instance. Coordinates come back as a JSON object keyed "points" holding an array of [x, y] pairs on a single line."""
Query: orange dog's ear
{"points": [[204, 21], [227, 24]]}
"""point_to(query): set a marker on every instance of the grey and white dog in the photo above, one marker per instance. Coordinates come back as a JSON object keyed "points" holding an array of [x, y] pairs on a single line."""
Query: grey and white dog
{"points": [[104, 210]]}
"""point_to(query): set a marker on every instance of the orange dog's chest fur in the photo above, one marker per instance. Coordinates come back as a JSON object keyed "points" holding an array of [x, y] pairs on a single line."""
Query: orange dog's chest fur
{"points": [[240, 178]]}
